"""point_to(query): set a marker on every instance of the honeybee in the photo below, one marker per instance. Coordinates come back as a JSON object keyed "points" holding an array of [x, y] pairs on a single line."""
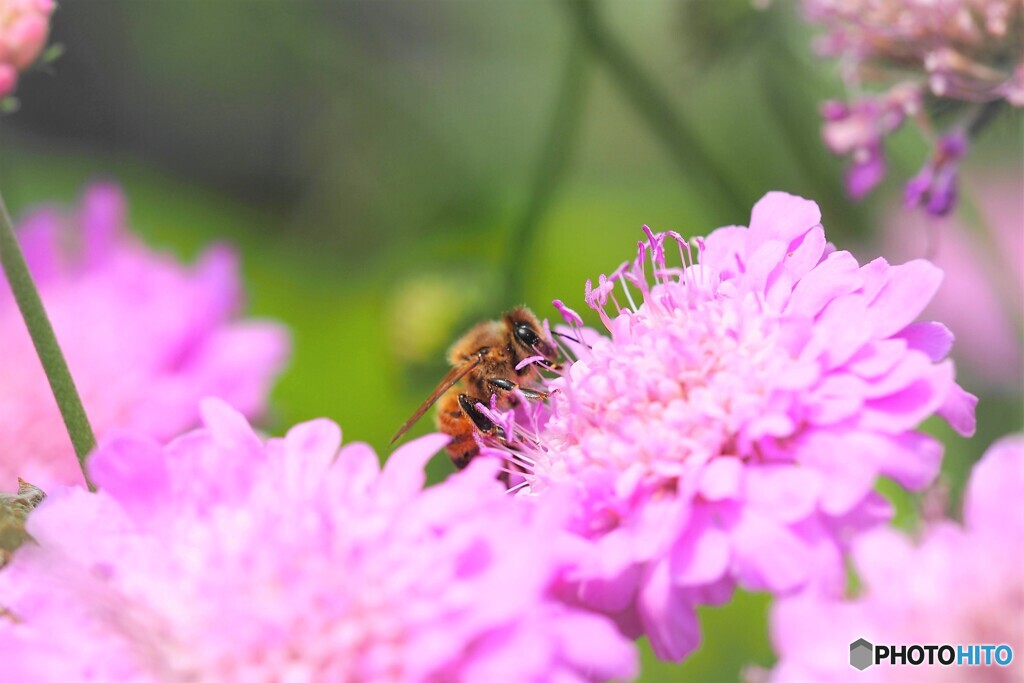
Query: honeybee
{"points": [[484, 362]]}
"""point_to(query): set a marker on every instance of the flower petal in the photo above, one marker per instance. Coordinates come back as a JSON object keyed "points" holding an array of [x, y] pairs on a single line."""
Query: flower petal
{"points": [[907, 291], [783, 217], [133, 470], [402, 475], [934, 339], [768, 556], [837, 275], [958, 410], [998, 477], [670, 621]]}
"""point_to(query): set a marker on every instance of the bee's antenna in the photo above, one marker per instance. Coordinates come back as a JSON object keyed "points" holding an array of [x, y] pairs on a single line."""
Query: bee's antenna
{"points": [[570, 338]]}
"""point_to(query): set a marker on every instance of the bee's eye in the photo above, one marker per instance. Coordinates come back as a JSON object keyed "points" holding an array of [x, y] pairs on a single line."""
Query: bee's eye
{"points": [[526, 335]]}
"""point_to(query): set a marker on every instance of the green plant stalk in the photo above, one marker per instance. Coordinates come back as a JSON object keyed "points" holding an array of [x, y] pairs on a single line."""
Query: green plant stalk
{"points": [[711, 179], [559, 141], [43, 338]]}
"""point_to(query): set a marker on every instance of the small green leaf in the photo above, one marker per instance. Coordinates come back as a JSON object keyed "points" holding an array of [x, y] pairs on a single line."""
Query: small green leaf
{"points": [[9, 105], [14, 510], [52, 53]]}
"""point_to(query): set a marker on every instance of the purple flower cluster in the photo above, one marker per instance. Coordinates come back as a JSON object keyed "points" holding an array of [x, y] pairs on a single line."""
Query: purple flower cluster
{"points": [[964, 50], [858, 130]]}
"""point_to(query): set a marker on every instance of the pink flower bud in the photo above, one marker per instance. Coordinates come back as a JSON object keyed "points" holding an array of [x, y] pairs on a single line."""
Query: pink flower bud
{"points": [[24, 28]]}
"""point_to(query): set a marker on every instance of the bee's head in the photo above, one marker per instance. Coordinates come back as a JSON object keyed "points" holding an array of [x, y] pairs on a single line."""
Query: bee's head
{"points": [[528, 334]]}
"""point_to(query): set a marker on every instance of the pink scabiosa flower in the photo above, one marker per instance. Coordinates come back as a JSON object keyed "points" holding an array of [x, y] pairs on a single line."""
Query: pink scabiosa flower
{"points": [[956, 585], [732, 427], [222, 558], [966, 56], [24, 27], [144, 336]]}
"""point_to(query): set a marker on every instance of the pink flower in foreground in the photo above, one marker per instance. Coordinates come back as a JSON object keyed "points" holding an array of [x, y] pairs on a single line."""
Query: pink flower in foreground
{"points": [[966, 52], [956, 585], [732, 427], [24, 27], [221, 558], [145, 338]]}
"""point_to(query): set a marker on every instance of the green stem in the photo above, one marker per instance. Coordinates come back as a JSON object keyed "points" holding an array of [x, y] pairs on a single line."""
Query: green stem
{"points": [[685, 148], [39, 328], [984, 116], [559, 141], [792, 118]]}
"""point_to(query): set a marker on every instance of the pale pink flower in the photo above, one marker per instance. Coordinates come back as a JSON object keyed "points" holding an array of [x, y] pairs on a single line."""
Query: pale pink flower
{"points": [[222, 558], [732, 427], [955, 585], [24, 27], [982, 296], [965, 50], [145, 337]]}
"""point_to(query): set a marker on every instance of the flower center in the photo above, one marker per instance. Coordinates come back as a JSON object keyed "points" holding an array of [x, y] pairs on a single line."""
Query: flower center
{"points": [[674, 383]]}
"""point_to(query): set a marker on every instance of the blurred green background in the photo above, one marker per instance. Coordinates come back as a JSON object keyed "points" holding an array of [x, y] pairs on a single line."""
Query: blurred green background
{"points": [[392, 171]]}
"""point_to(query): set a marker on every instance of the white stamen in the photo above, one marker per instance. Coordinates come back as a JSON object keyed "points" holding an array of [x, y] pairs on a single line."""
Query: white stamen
{"points": [[629, 297]]}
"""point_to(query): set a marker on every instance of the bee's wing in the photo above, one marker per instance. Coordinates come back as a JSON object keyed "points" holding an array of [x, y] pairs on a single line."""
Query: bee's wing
{"points": [[453, 376]]}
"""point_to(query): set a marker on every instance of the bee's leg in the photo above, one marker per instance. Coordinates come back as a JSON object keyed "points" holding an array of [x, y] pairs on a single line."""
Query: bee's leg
{"points": [[534, 394], [554, 367], [503, 384], [486, 426], [482, 422]]}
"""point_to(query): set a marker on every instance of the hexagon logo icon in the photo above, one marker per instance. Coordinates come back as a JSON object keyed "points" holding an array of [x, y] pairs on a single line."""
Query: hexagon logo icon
{"points": [[861, 654]]}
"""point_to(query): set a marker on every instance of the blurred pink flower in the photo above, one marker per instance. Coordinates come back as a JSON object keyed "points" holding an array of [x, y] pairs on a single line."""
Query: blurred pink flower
{"points": [[24, 27], [955, 585], [966, 50], [732, 427], [221, 558], [145, 338], [984, 288], [935, 185], [858, 130]]}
